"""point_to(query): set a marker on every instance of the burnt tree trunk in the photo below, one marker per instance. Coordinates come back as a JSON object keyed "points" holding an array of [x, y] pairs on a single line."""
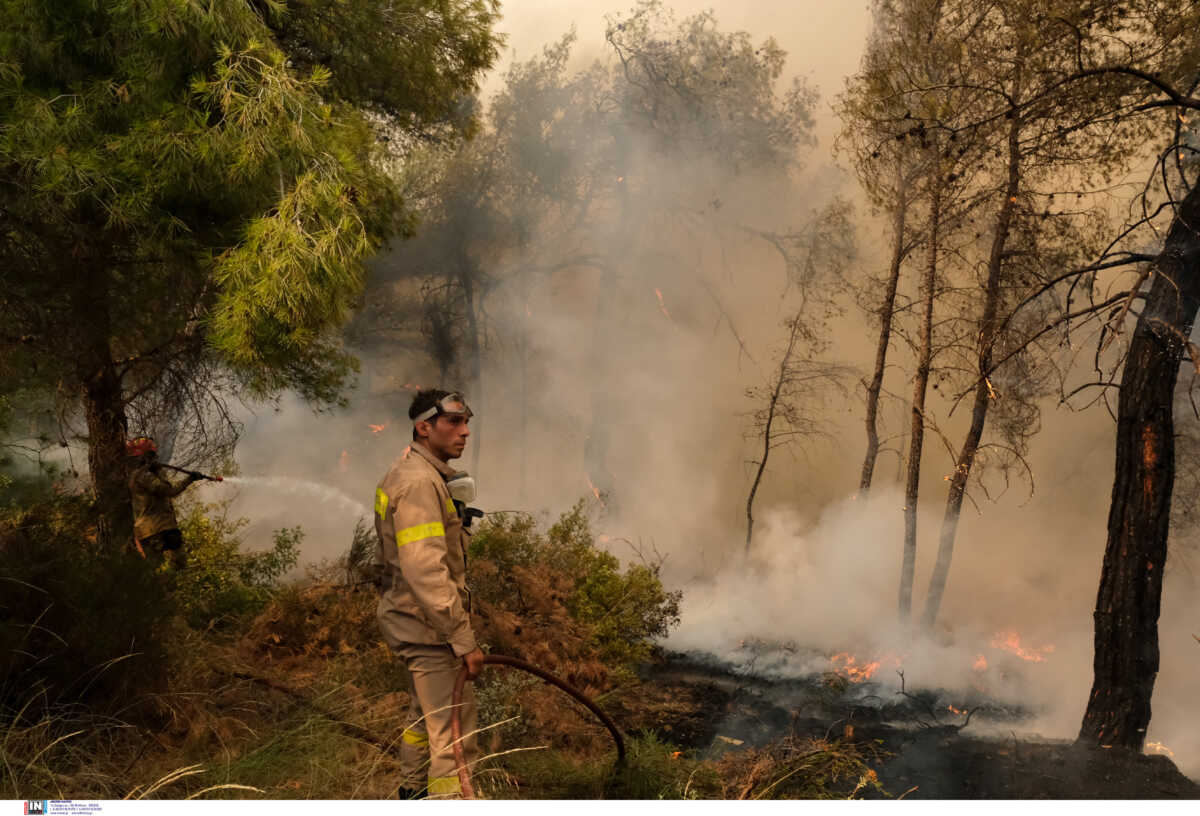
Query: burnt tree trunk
{"points": [[103, 408], [1127, 606], [916, 442], [887, 311], [983, 390]]}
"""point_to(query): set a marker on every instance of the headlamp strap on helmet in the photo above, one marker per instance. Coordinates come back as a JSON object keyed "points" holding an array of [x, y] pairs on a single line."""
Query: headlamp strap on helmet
{"points": [[442, 407]]}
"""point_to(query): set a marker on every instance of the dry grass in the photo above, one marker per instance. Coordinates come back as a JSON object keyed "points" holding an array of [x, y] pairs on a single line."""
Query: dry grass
{"points": [[792, 768], [304, 700], [257, 718]]}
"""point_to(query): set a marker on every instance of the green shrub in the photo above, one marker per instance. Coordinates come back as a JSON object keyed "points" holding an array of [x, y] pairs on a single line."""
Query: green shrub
{"points": [[77, 621], [80, 621], [221, 583], [622, 610]]}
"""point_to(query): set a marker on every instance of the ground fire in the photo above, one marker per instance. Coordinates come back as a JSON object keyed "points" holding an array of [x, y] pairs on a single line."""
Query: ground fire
{"points": [[1009, 641], [847, 665]]}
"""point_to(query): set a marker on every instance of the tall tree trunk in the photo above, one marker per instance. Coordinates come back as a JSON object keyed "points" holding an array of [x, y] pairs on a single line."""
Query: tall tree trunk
{"points": [[887, 311], [1127, 606], [604, 407], [920, 385], [595, 446], [523, 374], [104, 410], [475, 348], [983, 391], [768, 424], [762, 464]]}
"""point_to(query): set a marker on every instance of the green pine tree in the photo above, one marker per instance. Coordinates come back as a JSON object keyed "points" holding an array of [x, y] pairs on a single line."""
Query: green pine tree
{"points": [[189, 183]]}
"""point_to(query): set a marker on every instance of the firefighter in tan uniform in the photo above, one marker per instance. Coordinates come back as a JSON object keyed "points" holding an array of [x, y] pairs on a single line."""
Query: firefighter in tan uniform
{"points": [[154, 524], [424, 606]]}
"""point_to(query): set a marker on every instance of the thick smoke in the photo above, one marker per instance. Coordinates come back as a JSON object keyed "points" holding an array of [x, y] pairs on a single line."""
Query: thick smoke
{"points": [[824, 567]]}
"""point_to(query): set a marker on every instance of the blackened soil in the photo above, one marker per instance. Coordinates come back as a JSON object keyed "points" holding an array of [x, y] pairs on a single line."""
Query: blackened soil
{"points": [[709, 710], [944, 763]]}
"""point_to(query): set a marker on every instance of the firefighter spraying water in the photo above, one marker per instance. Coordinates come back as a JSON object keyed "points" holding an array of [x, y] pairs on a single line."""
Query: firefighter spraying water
{"points": [[155, 526]]}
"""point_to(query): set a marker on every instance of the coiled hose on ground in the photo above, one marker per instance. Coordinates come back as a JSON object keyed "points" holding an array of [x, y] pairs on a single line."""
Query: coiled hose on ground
{"points": [[464, 774]]}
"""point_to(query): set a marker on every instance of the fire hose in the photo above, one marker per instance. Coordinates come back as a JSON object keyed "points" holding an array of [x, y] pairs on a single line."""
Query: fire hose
{"points": [[464, 775], [195, 473]]}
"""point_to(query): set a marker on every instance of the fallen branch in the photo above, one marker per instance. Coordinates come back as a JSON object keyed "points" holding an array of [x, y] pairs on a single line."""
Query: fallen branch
{"points": [[904, 693]]}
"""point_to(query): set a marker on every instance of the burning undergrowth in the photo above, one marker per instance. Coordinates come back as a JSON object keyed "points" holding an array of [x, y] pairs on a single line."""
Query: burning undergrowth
{"points": [[906, 737], [816, 598], [775, 687]]}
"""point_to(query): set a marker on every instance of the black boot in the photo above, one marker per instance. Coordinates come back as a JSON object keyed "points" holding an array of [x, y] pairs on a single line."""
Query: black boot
{"points": [[410, 793]]}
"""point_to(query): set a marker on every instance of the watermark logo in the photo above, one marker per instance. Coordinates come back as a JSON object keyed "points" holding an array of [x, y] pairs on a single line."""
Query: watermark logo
{"points": [[35, 807]]}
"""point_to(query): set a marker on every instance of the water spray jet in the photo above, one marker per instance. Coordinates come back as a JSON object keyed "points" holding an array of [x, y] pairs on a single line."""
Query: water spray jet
{"points": [[287, 484]]}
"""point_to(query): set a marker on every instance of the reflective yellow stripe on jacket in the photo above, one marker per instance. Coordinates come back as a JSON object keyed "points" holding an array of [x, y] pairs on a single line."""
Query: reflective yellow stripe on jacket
{"points": [[381, 503], [420, 531]]}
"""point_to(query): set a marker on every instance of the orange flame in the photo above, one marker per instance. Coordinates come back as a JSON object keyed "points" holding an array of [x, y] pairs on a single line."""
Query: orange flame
{"points": [[1011, 642], [846, 665], [595, 491], [1159, 748], [662, 306], [344, 462], [980, 663], [959, 711], [376, 428], [411, 387]]}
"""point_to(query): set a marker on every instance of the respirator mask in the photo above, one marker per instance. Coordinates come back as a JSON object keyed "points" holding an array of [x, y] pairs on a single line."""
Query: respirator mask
{"points": [[462, 487], [462, 490]]}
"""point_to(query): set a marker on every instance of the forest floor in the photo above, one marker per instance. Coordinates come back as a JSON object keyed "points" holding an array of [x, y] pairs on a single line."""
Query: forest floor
{"points": [[314, 709], [915, 755]]}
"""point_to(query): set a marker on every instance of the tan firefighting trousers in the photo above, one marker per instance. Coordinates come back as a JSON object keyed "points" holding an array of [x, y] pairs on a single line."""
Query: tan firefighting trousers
{"points": [[427, 750]]}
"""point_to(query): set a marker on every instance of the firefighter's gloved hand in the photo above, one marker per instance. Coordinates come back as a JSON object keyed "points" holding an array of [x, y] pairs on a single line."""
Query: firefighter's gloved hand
{"points": [[474, 662]]}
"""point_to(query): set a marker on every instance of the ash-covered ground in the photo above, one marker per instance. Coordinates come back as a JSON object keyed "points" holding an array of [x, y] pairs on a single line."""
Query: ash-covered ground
{"points": [[927, 742]]}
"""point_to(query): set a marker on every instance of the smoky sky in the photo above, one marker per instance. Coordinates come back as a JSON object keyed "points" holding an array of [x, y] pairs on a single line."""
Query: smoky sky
{"points": [[824, 40]]}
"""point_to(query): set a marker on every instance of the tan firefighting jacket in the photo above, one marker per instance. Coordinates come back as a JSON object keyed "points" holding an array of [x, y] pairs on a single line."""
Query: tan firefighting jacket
{"points": [[423, 547], [152, 509]]}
